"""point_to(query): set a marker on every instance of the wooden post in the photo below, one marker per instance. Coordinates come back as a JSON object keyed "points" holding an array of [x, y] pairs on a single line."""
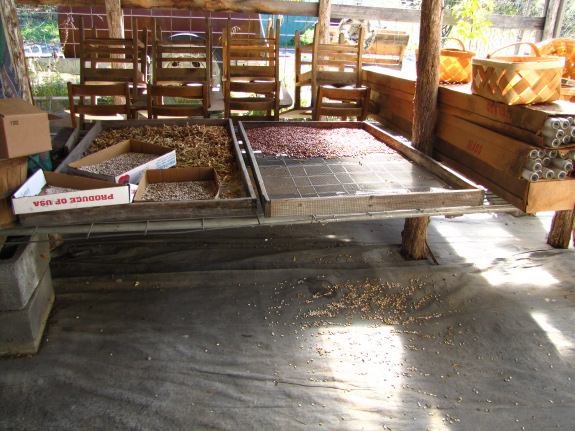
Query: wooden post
{"points": [[116, 30], [323, 21], [550, 19], [414, 234], [562, 229], [16, 49]]}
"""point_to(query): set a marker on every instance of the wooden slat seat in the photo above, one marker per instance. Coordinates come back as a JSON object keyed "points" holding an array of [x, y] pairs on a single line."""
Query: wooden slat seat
{"points": [[342, 102], [88, 95], [192, 93]]}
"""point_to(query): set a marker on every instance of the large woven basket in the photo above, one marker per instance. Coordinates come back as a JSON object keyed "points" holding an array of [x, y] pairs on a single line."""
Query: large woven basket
{"points": [[455, 64], [517, 80], [561, 48]]}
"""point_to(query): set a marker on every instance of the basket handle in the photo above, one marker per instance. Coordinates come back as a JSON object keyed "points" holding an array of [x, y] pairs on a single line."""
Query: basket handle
{"points": [[532, 45], [454, 38]]}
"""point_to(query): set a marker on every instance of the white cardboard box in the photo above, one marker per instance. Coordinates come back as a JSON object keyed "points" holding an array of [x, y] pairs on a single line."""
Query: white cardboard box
{"points": [[166, 159], [90, 193]]}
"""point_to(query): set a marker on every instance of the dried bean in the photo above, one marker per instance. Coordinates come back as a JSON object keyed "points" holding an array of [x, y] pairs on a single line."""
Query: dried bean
{"points": [[307, 142]]}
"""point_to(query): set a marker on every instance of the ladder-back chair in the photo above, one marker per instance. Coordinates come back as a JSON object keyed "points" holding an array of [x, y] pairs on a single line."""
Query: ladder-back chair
{"points": [[251, 73], [107, 60], [336, 64], [182, 62]]}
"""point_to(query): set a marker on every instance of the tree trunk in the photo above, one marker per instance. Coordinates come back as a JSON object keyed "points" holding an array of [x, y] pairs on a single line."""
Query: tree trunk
{"points": [[116, 30], [562, 229], [414, 235], [16, 52], [323, 21]]}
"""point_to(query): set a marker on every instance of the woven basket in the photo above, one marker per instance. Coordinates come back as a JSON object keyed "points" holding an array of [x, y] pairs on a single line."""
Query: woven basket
{"points": [[561, 48], [517, 80], [455, 64]]}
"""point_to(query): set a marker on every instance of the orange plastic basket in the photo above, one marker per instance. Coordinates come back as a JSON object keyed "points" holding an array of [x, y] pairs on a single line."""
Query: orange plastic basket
{"points": [[561, 48], [455, 64], [517, 80]]}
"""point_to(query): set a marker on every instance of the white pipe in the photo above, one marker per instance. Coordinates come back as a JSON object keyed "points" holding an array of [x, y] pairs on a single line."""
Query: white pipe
{"points": [[553, 133], [552, 154], [566, 165], [530, 175], [546, 161], [534, 165], [547, 173], [564, 122], [566, 139], [552, 123], [550, 142], [541, 153], [560, 174]]}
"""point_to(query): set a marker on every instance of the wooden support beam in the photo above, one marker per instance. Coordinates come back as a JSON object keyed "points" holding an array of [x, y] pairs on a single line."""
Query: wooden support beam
{"points": [[562, 229], [414, 234], [323, 21]]}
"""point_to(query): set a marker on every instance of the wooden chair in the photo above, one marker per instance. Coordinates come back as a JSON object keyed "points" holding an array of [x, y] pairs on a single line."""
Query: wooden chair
{"points": [[107, 60], [182, 62], [88, 101], [251, 73], [330, 64], [156, 105], [342, 102]]}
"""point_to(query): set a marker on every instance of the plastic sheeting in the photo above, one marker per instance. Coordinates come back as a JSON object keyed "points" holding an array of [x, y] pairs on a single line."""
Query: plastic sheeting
{"points": [[307, 327]]}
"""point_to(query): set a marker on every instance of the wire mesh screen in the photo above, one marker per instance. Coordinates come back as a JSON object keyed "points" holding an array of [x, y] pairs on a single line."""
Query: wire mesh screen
{"points": [[376, 174]]}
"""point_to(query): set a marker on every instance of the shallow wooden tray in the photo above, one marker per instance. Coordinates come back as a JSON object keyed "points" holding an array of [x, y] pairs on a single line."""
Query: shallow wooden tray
{"points": [[431, 185], [142, 211]]}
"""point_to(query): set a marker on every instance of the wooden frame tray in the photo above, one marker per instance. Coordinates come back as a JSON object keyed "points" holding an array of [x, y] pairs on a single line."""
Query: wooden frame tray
{"points": [[445, 188], [142, 211]]}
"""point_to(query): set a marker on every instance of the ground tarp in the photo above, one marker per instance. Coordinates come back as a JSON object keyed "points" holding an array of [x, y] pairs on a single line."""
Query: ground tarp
{"points": [[305, 327]]}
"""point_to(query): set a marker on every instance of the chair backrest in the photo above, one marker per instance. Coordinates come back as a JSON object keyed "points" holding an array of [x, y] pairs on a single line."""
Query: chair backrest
{"points": [[251, 73], [251, 57], [88, 100], [113, 60], [181, 61], [336, 64], [193, 93], [342, 102]]}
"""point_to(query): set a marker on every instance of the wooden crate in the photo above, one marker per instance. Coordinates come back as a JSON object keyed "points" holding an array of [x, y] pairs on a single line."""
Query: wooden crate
{"points": [[241, 206], [455, 191], [529, 197]]}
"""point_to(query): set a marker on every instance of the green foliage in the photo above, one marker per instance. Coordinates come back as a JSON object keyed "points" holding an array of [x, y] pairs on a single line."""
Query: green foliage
{"points": [[38, 24], [472, 22], [50, 84]]}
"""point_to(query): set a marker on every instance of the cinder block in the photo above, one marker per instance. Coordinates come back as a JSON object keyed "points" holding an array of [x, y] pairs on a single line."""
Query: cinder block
{"points": [[21, 331], [21, 270]]}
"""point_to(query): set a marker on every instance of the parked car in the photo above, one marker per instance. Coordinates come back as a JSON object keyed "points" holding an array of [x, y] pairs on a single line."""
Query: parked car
{"points": [[43, 50]]}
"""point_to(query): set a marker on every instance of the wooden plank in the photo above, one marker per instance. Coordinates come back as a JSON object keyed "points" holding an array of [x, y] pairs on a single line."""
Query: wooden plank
{"points": [[391, 79]]}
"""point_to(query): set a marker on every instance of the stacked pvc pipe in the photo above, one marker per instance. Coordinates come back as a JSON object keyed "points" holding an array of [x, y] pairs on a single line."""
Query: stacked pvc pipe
{"points": [[558, 131], [548, 164]]}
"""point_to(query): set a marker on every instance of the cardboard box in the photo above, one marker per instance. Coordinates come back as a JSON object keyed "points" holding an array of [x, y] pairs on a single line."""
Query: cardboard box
{"points": [[90, 193], [176, 175], [166, 158], [24, 129]]}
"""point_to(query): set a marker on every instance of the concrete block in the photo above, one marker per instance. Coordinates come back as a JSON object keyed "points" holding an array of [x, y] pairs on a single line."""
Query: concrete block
{"points": [[21, 270], [21, 331]]}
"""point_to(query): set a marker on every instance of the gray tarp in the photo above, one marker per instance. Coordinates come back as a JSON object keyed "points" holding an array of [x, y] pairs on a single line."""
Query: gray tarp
{"points": [[306, 327]]}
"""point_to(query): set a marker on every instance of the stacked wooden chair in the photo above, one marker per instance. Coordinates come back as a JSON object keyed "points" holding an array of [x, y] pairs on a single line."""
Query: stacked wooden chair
{"points": [[117, 62], [181, 69], [251, 73], [332, 64]]}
